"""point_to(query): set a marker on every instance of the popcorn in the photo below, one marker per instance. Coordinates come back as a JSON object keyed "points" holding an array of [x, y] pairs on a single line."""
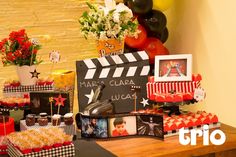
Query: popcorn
{"points": [[38, 139]]}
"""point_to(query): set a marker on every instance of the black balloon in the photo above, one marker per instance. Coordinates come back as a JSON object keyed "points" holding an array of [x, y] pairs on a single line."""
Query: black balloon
{"points": [[154, 21], [163, 36], [139, 6]]}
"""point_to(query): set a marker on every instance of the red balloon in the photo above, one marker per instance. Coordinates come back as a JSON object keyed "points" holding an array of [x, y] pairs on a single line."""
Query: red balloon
{"points": [[154, 47], [137, 42]]}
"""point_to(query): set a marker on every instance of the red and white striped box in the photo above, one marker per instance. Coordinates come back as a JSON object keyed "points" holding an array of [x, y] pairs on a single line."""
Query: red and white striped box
{"points": [[178, 87], [3, 146]]}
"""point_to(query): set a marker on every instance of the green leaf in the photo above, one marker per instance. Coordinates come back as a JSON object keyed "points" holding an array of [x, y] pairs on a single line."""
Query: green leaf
{"points": [[91, 6], [112, 11], [85, 14]]}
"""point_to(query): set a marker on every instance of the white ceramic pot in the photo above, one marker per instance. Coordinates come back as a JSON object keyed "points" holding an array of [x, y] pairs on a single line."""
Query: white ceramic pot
{"points": [[25, 76]]}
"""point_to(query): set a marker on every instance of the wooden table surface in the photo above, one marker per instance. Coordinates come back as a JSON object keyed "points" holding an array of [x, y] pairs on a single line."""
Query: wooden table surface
{"points": [[144, 146]]}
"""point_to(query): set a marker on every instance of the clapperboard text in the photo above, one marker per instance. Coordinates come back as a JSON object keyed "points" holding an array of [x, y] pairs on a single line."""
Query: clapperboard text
{"points": [[112, 83]]}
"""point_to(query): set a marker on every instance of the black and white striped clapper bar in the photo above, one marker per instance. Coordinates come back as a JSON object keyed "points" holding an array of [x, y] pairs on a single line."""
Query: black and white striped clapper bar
{"points": [[118, 73]]}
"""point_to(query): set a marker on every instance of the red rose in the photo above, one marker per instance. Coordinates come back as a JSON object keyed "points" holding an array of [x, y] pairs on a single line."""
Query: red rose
{"points": [[17, 53], [35, 51], [11, 57], [20, 40], [26, 45], [12, 36], [22, 32], [1, 45], [4, 41]]}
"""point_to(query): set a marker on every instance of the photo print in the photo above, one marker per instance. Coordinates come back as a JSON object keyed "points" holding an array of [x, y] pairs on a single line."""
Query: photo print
{"points": [[173, 68], [150, 125], [94, 128], [122, 126]]}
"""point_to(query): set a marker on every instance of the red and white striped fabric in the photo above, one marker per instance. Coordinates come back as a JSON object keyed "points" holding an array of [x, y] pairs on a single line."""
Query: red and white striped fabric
{"points": [[166, 87]]}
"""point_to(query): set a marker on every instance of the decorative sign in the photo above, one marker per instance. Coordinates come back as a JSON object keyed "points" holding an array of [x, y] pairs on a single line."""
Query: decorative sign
{"points": [[199, 94], [118, 73], [39, 102]]}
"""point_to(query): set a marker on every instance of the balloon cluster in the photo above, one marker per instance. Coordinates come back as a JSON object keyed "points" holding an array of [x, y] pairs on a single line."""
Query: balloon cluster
{"points": [[152, 27]]}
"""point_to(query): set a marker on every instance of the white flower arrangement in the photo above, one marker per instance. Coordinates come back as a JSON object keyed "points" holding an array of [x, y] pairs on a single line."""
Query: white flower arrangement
{"points": [[111, 21]]}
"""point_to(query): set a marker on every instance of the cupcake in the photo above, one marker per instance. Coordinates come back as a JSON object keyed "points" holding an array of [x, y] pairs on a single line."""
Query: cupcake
{"points": [[56, 119], [43, 114], [68, 119], [43, 121], [30, 120]]}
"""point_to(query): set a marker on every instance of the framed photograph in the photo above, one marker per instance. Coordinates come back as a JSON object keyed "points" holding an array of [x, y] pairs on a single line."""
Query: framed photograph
{"points": [[122, 126], [94, 127], [173, 68], [150, 125]]}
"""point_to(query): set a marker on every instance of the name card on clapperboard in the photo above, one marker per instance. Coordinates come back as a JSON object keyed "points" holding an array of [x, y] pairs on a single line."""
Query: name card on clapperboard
{"points": [[118, 73]]}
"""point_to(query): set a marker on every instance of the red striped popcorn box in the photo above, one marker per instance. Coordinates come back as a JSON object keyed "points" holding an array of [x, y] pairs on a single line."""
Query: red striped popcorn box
{"points": [[166, 87]]}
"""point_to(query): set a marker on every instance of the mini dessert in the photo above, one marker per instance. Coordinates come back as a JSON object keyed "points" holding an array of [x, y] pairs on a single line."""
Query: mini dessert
{"points": [[68, 119], [56, 119], [43, 114], [43, 121], [38, 139], [30, 120], [14, 102]]}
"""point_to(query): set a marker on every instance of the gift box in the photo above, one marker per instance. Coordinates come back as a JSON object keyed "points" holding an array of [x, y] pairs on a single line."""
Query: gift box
{"points": [[64, 81], [7, 128], [65, 151], [68, 129], [3, 146]]}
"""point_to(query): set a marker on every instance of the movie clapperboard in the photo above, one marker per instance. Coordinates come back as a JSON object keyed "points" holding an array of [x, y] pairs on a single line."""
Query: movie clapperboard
{"points": [[118, 73]]}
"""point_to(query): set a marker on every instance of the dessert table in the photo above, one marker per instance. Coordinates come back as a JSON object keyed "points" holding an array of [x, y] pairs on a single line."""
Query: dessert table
{"points": [[144, 146]]}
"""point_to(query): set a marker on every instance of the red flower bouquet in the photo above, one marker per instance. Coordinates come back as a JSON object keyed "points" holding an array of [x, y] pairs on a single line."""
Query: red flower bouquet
{"points": [[19, 50]]}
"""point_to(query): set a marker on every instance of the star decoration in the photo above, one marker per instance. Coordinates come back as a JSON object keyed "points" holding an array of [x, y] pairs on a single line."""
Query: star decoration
{"points": [[59, 100], [90, 96], [144, 102], [50, 99], [35, 74]]}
